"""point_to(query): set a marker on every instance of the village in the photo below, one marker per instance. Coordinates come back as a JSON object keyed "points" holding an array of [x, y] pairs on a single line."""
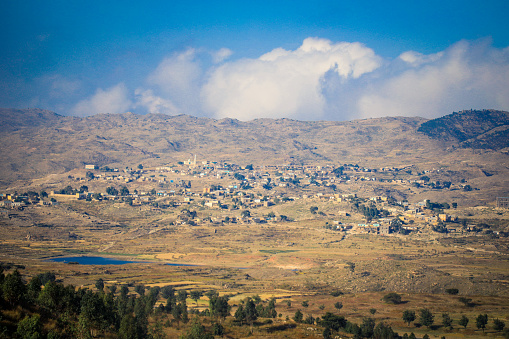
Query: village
{"points": [[211, 193]]}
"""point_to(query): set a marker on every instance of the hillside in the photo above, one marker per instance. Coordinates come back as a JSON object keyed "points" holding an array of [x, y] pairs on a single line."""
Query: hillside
{"points": [[42, 142], [480, 129], [38, 143]]}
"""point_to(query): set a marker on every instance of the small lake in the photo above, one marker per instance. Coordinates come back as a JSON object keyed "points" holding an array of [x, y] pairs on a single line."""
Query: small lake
{"points": [[183, 265], [93, 260]]}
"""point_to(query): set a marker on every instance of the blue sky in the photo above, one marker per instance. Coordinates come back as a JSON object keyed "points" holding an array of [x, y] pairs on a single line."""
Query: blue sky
{"points": [[331, 60]]}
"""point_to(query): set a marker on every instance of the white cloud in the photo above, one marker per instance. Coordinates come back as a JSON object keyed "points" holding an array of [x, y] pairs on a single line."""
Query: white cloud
{"points": [[284, 83], [221, 55], [177, 78], [153, 103], [466, 75], [112, 100], [319, 80], [416, 59]]}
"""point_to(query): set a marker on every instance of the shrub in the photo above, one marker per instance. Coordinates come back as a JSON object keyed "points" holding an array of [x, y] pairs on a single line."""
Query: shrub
{"points": [[392, 298]]}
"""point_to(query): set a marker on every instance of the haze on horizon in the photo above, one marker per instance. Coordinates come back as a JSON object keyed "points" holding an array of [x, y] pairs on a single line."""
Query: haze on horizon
{"points": [[326, 60]]}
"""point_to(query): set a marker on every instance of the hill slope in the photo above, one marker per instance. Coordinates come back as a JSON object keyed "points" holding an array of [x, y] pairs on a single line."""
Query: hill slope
{"points": [[37, 143], [42, 142], [481, 129]]}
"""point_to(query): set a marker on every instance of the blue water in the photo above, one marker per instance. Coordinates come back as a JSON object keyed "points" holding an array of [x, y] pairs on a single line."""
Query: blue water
{"points": [[92, 260]]}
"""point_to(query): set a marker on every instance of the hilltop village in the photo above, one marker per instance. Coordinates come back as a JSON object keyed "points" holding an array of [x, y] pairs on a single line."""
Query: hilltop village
{"points": [[211, 193]]}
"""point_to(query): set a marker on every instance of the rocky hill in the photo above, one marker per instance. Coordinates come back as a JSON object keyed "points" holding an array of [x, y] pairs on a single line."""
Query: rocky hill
{"points": [[481, 129], [36, 143]]}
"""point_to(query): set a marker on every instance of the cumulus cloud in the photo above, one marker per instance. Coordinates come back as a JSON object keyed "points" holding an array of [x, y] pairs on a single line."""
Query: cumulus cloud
{"points": [[318, 80], [178, 79], [284, 83], [153, 103], [466, 75], [111, 100]]}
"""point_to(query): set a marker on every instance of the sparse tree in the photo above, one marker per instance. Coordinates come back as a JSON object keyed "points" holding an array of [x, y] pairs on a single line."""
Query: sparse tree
{"points": [[298, 316], [99, 284], [408, 316], [498, 325], [464, 321], [426, 318], [111, 190], [446, 320], [13, 288], [195, 295], [124, 191], [481, 321], [338, 305]]}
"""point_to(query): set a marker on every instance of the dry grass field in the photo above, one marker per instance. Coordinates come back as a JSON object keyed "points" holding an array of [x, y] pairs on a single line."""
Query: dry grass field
{"points": [[290, 261]]}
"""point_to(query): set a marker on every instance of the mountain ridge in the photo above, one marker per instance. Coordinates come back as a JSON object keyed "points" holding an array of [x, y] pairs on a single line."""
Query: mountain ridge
{"points": [[43, 142], [471, 129]]}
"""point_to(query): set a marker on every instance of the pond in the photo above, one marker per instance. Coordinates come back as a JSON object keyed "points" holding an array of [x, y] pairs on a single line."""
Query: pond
{"points": [[85, 260]]}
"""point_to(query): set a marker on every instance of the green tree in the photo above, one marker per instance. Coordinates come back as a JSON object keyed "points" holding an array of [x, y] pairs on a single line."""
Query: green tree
{"points": [[217, 329], [384, 331], [481, 321], [327, 333], [30, 327], [13, 288], [128, 328], [498, 325], [335, 322], [218, 306], [446, 320], [195, 295], [240, 315], [34, 288], [140, 289], [426, 318], [367, 327], [197, 331], [99, 284], [111, 190], [298, 316], [182, 295], [124, 191], [463, 321], [305, 303], [338, 305], [250, 311]]}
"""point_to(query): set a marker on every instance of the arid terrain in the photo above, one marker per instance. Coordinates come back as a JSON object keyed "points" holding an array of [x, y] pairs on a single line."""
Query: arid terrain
{"points": [[309, 213]]}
